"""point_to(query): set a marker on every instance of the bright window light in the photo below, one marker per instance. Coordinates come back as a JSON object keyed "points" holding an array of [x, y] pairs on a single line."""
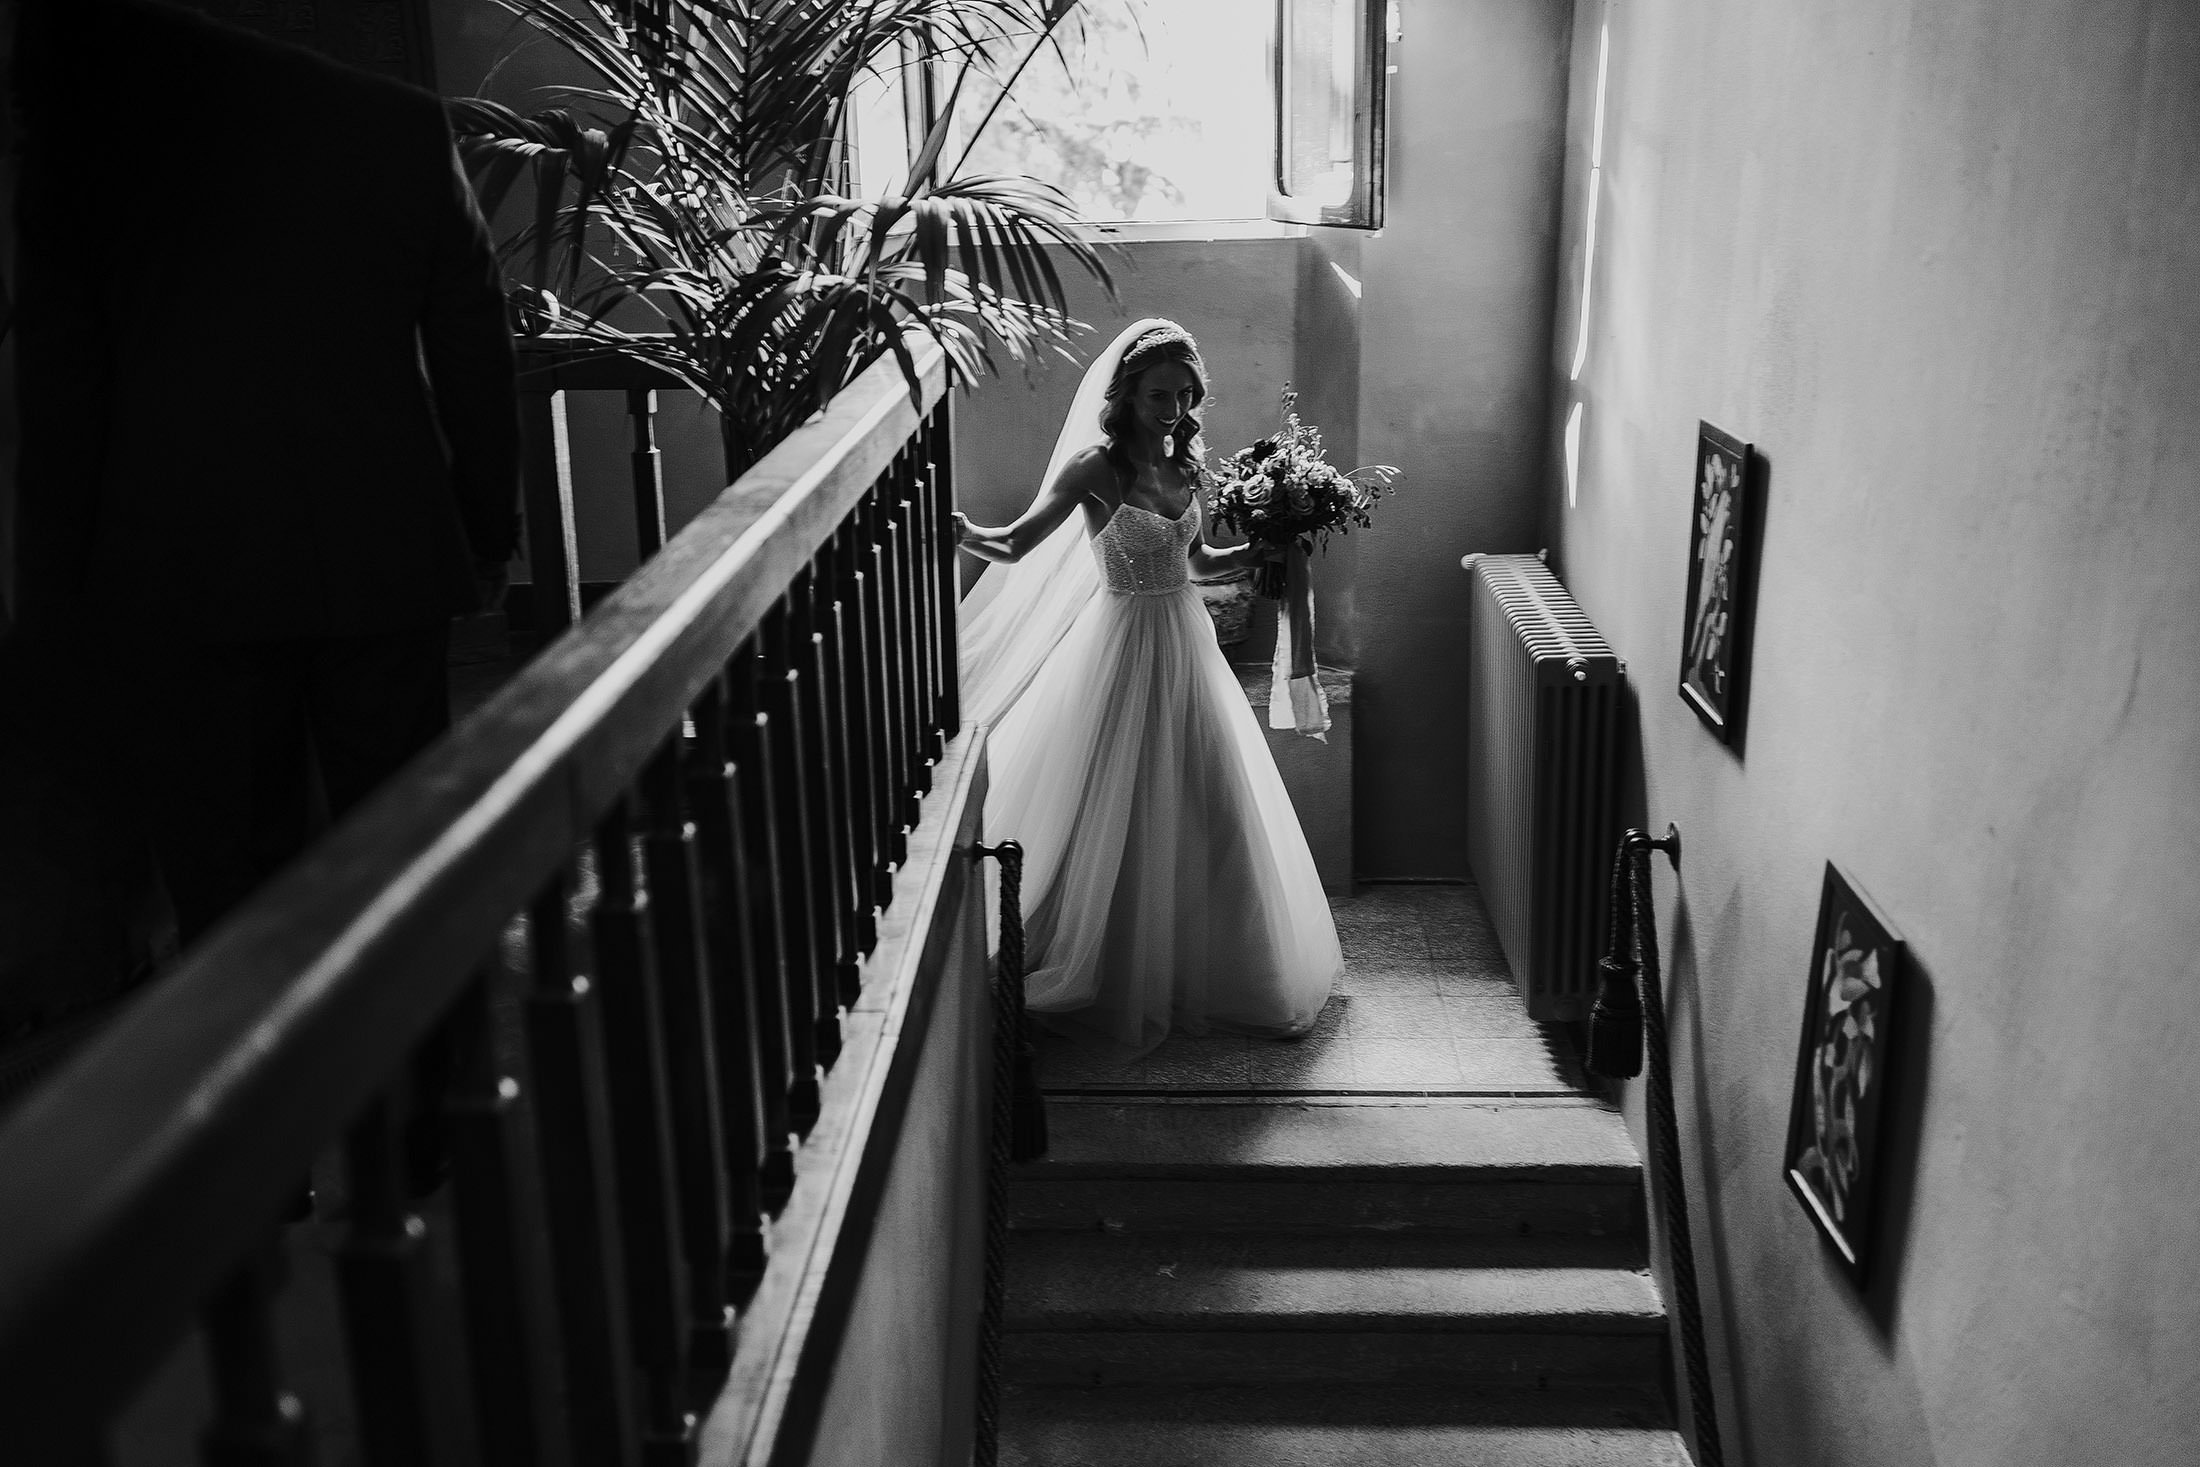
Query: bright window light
{"points": [[881, 135], [1154, 111]]}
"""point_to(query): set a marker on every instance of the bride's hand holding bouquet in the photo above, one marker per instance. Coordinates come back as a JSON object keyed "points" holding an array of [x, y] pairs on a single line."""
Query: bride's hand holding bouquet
{"points": [[1283, 493]]}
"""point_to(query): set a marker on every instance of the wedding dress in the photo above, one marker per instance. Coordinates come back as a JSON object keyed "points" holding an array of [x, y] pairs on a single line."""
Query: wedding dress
{"points": [[1167, 882]]}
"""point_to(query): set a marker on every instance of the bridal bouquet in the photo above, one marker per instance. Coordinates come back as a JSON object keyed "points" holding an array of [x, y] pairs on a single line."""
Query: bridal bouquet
{"points": [[1282, 491]]}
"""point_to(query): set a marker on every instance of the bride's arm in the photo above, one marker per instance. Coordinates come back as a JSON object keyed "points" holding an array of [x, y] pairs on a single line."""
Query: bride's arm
{"points": [[1209, 564], [1055, 504]]}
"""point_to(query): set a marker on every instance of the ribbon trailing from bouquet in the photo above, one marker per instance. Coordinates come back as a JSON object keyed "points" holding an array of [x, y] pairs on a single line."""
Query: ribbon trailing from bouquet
{"points": [[1295, 696]]}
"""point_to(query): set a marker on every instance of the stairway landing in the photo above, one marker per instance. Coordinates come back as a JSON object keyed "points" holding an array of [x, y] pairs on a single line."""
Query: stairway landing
{"points": [[1426, 1007], [1412, 1239]]}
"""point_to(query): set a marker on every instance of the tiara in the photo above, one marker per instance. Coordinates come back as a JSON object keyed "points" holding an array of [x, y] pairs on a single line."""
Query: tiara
{"points": [[1159, 336]]}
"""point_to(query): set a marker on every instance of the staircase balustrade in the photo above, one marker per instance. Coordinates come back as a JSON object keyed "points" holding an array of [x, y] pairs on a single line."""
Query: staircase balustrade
{"points": [[629, 952]]}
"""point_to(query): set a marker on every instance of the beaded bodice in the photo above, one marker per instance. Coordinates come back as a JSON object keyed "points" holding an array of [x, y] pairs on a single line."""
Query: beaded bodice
{"points": [[1142, 553]]}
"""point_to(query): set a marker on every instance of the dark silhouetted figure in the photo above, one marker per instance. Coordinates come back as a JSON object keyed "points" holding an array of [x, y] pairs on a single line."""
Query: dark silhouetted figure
{"points": [[269, 441]]}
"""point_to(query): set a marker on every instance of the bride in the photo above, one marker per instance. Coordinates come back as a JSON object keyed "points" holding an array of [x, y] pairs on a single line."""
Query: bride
{"points": [[1167, 884]]}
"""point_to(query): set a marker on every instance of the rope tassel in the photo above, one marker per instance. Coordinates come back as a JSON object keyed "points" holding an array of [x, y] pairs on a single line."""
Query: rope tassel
{"points": [[1615, 1020]]}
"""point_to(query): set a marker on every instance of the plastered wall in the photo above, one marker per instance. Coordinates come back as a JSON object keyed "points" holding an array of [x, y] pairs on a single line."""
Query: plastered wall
{"points": [[1939, 262], [902, 1385], [1454, 326]]}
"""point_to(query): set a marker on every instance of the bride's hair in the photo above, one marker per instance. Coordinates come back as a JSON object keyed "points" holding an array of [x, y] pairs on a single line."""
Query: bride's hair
{"points": [[1165, 343]]}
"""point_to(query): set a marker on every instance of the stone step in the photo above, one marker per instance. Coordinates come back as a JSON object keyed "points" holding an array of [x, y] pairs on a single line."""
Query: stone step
{"points": [[1368, 1427], [1094, 1310], [1326, 1164]]}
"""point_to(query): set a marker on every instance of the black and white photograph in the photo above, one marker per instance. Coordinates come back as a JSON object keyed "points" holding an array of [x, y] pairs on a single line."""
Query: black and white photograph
{"points": [[949, 733]]}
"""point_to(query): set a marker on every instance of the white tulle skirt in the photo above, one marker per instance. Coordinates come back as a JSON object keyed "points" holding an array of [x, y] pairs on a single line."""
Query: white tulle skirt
{"points": [[1167, 883]]}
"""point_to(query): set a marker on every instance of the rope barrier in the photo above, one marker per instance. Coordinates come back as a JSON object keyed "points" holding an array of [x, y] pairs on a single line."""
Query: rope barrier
{"points": [[1626, 1021], [1019, 1133]]}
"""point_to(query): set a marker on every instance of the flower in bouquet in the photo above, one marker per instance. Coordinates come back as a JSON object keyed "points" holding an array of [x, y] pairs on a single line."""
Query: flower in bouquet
{"points": [[1283, 491]]}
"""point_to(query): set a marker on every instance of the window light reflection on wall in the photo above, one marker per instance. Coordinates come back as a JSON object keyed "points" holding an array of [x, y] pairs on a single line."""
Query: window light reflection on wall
{"points": [[1573, 453], [1596, 191]]}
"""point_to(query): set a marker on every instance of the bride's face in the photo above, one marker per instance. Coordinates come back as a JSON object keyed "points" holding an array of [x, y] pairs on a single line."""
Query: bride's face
{"points": [[1164, 394]]}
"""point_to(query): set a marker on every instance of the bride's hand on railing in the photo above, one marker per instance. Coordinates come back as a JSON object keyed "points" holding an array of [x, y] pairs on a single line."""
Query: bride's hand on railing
{"points": [[968, 537]]}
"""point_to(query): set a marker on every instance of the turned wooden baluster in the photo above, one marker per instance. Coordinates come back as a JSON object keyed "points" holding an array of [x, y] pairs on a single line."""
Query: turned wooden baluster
{"points": [[785, 1046], [866, 814], [641, 1122], [730, 939], [894, 651], [573, 1138], [851, 901], [511, 1328], [257, 1423], [909, 613], [406, 1379], [690, 1038], [820, 817], [878, 630], [809, 978], [946, 583], [924, 572]]}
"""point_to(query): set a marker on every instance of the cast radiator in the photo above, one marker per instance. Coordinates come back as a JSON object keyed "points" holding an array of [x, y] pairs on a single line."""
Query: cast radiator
{"points": [[1542, 777]]}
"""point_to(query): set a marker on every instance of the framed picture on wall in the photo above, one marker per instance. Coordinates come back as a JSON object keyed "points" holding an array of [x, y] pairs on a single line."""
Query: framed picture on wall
{"points": [[1841, 1066], [1719, 544]]}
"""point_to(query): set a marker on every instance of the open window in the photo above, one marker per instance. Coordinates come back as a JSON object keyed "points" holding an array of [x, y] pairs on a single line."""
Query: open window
{"points": [[1142, 112], [1331, 69]]}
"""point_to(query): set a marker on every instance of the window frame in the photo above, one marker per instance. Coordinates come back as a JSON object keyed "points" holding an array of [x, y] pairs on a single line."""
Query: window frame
{"points": [[1363, 207]]}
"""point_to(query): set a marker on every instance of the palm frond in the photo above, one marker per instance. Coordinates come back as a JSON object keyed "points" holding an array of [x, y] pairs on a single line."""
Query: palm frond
{"points": [[696, 183]]}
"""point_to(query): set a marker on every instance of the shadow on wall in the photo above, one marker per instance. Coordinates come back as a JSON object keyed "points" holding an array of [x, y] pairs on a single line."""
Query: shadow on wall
{"points": [[1684, 1008], [1899, 1142], [1756, 492], [1901, 1136], [1684, 1013]]}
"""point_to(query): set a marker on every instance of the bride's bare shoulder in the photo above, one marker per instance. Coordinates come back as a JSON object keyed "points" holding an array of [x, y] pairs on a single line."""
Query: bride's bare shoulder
{"points": [[1088, 472]]}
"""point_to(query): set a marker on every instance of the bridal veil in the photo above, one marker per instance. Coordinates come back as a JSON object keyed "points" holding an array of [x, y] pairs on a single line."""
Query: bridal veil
{"points": [[1015, 614]]}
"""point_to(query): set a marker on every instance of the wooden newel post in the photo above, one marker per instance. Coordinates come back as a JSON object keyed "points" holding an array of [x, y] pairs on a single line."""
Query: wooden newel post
{"points": [[649, 473]]}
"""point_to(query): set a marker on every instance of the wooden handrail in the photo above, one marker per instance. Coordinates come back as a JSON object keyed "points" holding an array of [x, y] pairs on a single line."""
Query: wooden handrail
{"points": [[143, 1175]]}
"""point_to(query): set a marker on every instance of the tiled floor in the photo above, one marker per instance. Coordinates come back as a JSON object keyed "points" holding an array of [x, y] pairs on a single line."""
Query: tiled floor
{"points": [[1426, 1006]]}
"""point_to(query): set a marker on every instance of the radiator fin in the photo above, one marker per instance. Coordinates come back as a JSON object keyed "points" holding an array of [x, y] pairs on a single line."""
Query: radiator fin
{"points": [[1542, 778]]}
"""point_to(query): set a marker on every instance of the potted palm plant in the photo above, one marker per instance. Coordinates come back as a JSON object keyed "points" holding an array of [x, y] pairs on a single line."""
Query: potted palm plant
{"points": [[693, 209]]}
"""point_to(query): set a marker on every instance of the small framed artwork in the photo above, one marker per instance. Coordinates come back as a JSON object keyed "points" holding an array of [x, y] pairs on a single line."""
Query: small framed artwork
{"points": [[1840, 1068], [1719, 543]]}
